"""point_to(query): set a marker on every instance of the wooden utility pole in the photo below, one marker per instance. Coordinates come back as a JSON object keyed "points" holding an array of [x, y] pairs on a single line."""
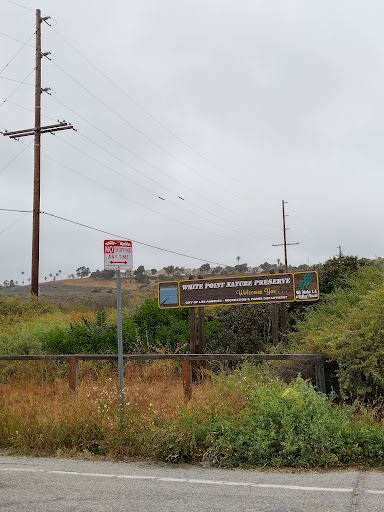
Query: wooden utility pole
{"points": [[283, 306], [283, 317], [274, 320], [285, 238], [36, 171], [36, 132]]}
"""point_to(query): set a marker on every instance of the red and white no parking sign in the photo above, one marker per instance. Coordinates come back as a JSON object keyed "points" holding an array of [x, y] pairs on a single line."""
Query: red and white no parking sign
{"points": [[118, 255]]}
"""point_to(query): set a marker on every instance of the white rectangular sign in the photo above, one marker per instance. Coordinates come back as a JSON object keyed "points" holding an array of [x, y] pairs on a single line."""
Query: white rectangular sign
{"points": [[118, 255]]}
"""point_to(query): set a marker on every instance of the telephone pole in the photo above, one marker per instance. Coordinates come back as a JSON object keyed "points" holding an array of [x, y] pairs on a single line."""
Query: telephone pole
{"points": [[283, 306], [36, 132], [285, 238]]}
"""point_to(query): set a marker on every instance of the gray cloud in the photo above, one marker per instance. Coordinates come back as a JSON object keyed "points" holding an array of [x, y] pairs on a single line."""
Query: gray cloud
{"points": [[284, 98]]}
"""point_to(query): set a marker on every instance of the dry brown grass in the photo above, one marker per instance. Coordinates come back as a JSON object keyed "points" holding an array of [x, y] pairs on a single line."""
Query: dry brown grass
{"points": [[41, 415]]}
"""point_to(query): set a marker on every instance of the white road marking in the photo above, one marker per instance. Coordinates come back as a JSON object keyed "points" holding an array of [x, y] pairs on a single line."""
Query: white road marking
{"points": [[303, 488], [191, 480], [169, 479], [209, 482], [104, 475], [138, 477]]}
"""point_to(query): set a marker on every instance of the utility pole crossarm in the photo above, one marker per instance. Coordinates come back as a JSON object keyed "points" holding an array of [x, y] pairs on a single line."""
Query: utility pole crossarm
{"points": [[43, 129]]}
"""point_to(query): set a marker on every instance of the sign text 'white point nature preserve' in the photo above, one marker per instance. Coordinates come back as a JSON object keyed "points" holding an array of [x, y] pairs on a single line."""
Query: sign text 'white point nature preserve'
{"points": [[289, 287], [118, 255]]}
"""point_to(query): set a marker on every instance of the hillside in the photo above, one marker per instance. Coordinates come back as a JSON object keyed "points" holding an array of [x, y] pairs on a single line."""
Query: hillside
{"points": [[92, 292]]}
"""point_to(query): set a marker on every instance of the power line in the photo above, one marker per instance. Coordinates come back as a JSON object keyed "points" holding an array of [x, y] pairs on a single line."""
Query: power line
{"points": [[158, 122], [15, 222], [127, 122], [14, 158], [125, 197], [134, 182], [119, 194], [19, 5], [140, 132], [27, 108], [157, 169], [114, 234], [128, 238], [18, 40], [13, 210], [13, 80], [148, 190], [17, 53], [17, 87], [138, 104]]}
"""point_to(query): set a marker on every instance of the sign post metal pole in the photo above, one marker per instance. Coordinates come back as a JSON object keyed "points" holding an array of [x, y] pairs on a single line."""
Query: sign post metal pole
{"points": [[120, 341], [118, 256]]}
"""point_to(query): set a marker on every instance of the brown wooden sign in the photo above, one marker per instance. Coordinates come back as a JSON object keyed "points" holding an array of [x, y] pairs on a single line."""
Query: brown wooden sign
{"points": [[236, 290], [265, 288]]}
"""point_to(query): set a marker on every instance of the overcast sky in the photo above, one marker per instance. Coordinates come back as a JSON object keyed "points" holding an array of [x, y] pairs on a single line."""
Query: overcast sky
{"points": [[223, 109]]}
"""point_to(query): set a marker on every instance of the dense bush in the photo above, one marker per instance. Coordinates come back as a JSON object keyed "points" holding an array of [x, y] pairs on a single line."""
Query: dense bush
{"points": [[278, 425], [15, 306], [97, 336], [238, 329], [349, 325], [337, 272]]}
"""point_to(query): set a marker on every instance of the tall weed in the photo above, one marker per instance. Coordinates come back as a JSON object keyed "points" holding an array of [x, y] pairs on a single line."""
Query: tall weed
{"points": [[245, 418]]}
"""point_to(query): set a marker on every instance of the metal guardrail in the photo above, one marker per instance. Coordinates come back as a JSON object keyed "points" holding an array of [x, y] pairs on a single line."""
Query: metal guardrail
{"points": [[186, 359]]}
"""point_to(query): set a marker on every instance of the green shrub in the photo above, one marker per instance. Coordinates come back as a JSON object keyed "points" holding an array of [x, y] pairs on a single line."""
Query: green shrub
{"points": [[280, 425], [16, 306], [95, 337], [349, 325]]}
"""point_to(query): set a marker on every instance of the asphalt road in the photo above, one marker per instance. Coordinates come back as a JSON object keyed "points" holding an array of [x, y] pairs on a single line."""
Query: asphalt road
{"points": [[63, 485]]}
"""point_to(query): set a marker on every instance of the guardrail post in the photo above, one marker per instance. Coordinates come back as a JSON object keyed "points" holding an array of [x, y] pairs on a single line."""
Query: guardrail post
{"points": [[320, 375], [187, 379], [73, 374]]}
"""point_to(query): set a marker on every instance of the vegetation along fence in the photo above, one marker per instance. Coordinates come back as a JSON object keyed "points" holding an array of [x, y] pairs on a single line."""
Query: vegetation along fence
{"points": [[186, 359]]}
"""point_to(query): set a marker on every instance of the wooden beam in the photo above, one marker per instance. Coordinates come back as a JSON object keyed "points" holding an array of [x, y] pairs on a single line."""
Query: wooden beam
{"points": [[187, 379], [174, 357], [73, 374]]}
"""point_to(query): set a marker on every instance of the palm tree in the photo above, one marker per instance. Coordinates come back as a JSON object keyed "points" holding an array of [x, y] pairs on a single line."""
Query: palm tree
{"points": [[57, 274], [45, 278], [50, 275], [22, 277], [60, 272], [238, 259]]}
